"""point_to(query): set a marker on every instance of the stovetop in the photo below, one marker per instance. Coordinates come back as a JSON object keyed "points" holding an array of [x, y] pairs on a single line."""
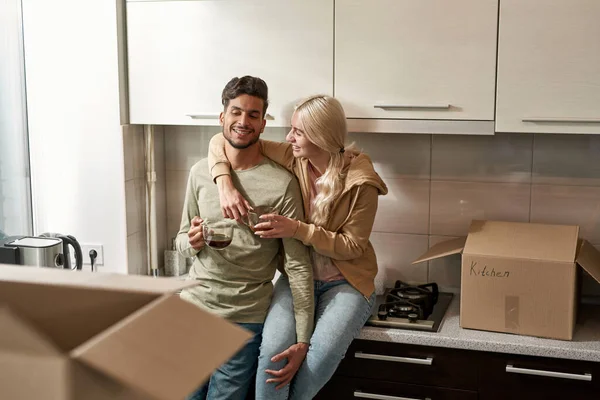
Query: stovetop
{"points": [[412, 307]]}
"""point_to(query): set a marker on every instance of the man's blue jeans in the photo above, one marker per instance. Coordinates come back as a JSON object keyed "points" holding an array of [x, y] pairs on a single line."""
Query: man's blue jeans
{"points": [[232, 379], [340, 312]]}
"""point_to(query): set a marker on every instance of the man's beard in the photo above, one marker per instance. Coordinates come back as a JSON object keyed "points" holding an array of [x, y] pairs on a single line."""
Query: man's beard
{"points": [[241, 146]]}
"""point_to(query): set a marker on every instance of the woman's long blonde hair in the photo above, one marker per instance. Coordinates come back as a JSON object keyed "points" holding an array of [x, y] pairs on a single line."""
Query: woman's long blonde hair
{"points": [[324, 123]]}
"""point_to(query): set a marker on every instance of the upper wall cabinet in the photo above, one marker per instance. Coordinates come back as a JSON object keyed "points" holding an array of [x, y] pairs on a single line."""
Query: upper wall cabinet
{"points": [[182, 53], [424, 59], [549, 66]]}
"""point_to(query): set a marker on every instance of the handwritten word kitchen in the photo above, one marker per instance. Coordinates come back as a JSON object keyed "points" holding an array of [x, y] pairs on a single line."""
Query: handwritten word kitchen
{"points": [[485, 271]]}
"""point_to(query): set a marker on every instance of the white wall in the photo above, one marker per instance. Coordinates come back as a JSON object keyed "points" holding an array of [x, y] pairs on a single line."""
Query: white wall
{"points": [[72, 72]]}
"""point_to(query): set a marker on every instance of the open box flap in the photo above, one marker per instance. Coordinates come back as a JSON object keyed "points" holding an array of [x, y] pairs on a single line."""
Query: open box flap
{"points": [[166, 349], [443, 249], [92, 280], [70, 315], [19, 336], [588, 257], [522, 240]]}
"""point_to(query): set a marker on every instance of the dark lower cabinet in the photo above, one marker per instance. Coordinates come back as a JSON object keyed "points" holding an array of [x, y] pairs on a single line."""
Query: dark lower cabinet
{"points": [[404, 363], [394, 371], [352, 388], [504, 376]]}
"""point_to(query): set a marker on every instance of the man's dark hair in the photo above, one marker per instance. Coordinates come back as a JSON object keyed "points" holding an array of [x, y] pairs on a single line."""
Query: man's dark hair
{"points": [[249, 85]]}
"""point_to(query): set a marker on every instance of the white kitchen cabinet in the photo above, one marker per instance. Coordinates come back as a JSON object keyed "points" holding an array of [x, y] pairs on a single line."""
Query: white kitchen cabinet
{"points": [[416, 59], [549, 66], [182, 53]]}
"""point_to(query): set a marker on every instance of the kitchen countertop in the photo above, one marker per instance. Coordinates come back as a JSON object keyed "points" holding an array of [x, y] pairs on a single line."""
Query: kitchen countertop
{"points": [[584, 346]]}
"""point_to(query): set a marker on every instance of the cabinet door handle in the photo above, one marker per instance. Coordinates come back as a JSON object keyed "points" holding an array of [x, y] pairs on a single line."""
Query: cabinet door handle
{"points": [[203, 116], [216, 116], [551, 374], [365, 395], [406, 360], [413, 106], [563, 120]]}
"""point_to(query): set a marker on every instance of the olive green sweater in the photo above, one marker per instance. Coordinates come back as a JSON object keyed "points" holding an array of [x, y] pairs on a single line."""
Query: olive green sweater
{"points": [[235, 282]]}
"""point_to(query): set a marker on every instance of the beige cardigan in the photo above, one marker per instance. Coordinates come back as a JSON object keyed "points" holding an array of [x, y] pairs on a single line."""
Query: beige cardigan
{"points": [[345, 238]]}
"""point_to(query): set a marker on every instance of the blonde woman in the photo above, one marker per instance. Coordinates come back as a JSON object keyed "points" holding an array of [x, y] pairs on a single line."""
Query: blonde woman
{"points": [[340, 191]]}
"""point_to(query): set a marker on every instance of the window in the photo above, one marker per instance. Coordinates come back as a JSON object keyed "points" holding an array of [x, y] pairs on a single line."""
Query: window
{"points": [[15, 187]]}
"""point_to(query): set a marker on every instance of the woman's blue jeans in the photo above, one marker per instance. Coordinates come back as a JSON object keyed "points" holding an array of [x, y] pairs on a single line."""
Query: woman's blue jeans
{"points": [[340, 313]]}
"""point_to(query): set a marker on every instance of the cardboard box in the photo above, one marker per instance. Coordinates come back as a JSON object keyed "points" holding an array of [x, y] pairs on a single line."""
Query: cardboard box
{"points": [[520, 277], [94, 336]]}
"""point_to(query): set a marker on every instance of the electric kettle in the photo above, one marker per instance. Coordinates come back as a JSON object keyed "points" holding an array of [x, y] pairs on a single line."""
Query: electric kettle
{"points": [[48, 250], [68, 240]]}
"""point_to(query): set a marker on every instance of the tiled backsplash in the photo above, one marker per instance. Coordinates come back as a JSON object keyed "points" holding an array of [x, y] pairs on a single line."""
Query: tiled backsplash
{"points": [[438, 184]]}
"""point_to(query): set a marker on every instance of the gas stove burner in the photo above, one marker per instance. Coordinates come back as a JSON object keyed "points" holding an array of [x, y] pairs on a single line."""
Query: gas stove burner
{"points": [[404, 308], [400, 309], [417, 294], [403, 311], [413, 295]]}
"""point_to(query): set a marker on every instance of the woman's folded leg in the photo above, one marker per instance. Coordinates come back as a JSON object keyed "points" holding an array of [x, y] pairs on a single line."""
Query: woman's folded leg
{"points": [[341, 312], [279, 333]]}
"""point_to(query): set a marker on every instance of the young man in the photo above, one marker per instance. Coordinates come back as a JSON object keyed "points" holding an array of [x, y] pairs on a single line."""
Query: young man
{"points": [[236, 281]]}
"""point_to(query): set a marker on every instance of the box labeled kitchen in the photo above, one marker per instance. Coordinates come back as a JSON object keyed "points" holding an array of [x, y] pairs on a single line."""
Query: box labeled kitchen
{"points": [[520, 278], [80, 335]]}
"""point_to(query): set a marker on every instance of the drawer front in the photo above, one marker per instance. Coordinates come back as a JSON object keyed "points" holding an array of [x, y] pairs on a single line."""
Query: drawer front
{"points": [[342, 388], [521, 377], [402, 363]]}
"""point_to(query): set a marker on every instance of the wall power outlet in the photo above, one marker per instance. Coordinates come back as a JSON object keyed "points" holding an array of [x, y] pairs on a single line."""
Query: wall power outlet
{"points": [[85, 249]]}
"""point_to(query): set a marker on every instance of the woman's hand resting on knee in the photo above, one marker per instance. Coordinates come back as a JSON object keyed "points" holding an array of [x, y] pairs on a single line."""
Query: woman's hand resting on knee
{"points": [[295, 355]]}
